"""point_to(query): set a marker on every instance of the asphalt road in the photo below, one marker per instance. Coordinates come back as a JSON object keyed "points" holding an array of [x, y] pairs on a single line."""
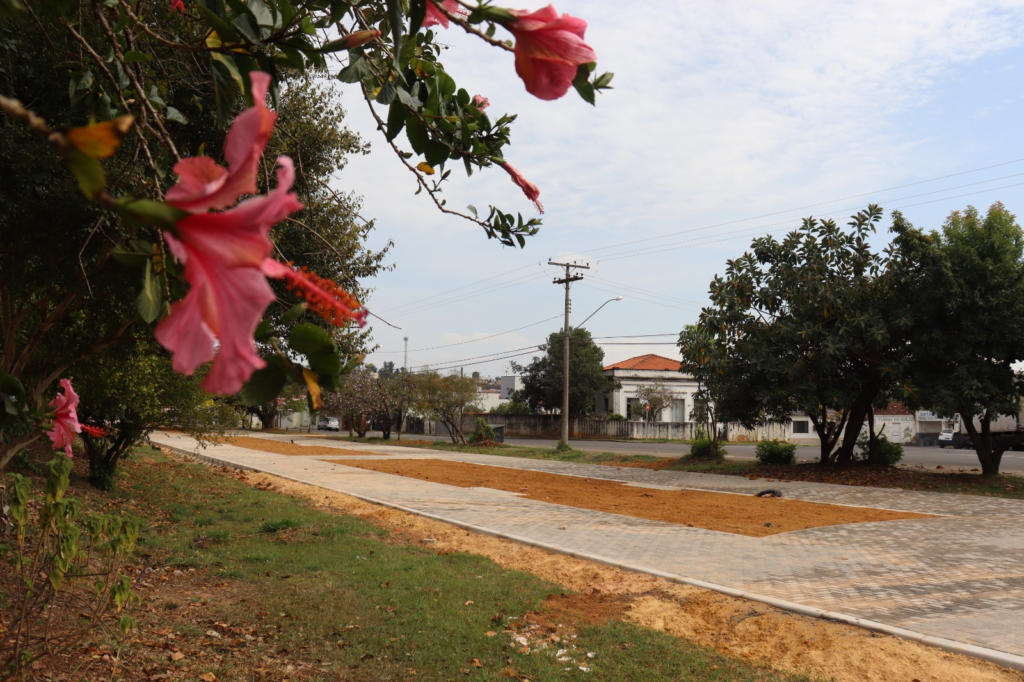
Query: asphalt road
{"points": [[947, 458]]}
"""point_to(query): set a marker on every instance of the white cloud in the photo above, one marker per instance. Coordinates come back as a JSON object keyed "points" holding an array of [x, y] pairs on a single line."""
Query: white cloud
{"points": [[721, 110]]}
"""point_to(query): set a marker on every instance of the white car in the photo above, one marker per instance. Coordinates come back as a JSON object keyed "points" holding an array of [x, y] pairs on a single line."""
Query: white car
{"points": [[328, 424], [946, 438]]}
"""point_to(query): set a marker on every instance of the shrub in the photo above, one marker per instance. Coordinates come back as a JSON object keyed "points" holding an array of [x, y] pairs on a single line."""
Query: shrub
{"points": [[482, 432], [704, 448], [56, 565], [616, 417], [885, 452], [775, 452]]}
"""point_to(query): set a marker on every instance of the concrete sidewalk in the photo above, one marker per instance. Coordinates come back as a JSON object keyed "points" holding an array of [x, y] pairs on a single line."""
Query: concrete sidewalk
{"points": [[956, 581]]}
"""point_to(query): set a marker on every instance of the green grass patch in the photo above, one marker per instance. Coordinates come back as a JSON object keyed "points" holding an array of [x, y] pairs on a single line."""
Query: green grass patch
{"points": [[349, 602]]}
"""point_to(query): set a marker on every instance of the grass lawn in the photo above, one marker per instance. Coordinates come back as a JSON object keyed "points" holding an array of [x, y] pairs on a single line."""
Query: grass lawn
{"points": [[244, 583], [905, 478]]}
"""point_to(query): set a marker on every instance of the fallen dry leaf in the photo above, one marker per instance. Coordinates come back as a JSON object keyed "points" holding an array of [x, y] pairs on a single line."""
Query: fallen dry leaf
{"points": [[475, 662], [177, 656], [208, 677]]}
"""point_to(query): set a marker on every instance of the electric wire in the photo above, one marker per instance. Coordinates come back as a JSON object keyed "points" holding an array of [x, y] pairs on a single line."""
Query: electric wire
{"points": [[482, 338]]}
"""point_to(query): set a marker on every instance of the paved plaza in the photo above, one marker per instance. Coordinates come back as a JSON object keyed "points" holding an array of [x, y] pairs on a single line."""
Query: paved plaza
{"points": [[959, 576]]}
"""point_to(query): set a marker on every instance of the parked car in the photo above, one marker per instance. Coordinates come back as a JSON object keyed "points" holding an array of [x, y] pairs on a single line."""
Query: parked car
{"points": [[328, 424], [946, 438]]}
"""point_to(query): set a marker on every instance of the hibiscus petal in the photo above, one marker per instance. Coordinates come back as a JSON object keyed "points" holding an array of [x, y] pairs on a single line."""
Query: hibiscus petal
{"points": [[544, 78], [185, 334]]}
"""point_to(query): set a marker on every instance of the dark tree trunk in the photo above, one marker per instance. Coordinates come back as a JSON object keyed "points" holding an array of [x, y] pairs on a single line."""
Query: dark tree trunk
{"points": [[828, 434], [385, 426], [989, 449], [853, 426]]}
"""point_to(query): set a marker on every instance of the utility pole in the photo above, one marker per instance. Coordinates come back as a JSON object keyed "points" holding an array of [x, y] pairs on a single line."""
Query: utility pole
{"points": [[405, 363], [567, 280]]}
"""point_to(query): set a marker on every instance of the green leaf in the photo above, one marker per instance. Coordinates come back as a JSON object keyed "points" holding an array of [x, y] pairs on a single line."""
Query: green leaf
{"points": [[396, 119], [293, 313], [175, 115], [263, 331], [88, 172], [10, 8], [417, 134], [10, 386], [310, 339], [263, 386], [358, 69], [153, 213], [150, 300], [227, 83], [583, 85], [132, 56], [131, 258], [417, 13], [387, 93], [224, 29]]}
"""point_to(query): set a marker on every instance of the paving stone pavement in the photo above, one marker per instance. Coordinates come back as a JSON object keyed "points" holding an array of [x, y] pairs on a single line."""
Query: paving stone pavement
{"points": [[959, 576]]}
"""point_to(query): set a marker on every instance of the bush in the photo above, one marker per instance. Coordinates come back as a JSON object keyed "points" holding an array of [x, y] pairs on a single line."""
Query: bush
{"points": [[704, 448], [56, 565], [885, 453], [482, 432], [616, 417], [775, 452]]}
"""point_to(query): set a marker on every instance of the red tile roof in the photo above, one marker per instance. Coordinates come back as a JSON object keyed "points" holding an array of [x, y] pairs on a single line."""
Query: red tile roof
{"points": [[649, 362]]}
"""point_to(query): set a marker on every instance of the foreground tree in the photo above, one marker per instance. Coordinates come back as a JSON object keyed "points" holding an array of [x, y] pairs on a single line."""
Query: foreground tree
{"points": [[542, 378], [207, 265], [969, 335]]}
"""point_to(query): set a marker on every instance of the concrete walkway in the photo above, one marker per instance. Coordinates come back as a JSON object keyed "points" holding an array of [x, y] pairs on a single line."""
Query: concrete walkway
{"points": [[956, 581]]}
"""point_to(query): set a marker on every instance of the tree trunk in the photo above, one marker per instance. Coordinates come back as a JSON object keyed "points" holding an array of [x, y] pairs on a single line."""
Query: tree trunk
{"points": [[990, 454], [399, 418], [854, 424], [385, 426], [9, 450]]}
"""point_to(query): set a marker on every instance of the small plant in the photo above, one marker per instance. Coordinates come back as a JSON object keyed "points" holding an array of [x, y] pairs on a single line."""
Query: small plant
{"points": [[278, 525], [616, 417], [482, 433], [884, 452], [775, 452], [703, 448], [58, 568]]}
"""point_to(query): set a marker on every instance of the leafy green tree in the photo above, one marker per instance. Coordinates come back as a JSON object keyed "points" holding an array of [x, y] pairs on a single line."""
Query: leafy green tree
{"points": [[132, 390], [512, 407], [444, 398], [811, 323], [969, 335], [542, 378]]}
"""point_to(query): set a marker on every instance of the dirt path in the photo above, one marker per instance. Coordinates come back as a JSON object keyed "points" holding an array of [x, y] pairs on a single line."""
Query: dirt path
{"points": [[732, 626], [742, 514]]}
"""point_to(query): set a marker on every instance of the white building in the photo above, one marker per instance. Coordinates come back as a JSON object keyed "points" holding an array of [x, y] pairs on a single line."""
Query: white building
{"points": [[642, 371], [510, 384]]}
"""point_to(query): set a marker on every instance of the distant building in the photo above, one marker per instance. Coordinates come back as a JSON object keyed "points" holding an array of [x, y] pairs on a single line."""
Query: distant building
{"points": [[643, 371], [510, 384]]}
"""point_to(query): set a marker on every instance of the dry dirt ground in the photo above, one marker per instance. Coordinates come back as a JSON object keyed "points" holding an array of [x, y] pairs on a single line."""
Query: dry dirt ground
{"points": [[280, 448], [742, 514], [732, 626]]}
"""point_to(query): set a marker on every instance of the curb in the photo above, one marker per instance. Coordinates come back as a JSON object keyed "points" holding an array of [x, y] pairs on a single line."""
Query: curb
{"points": [[1001, 658]]}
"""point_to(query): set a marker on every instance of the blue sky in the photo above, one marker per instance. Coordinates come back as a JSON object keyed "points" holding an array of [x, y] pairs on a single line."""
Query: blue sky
{"points": [[722, 112]]}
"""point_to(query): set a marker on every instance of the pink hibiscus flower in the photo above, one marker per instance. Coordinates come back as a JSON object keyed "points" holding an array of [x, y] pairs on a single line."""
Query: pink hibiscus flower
{"points": [[224, 256], [548, 50], [203, 184], [481, 102], [65, 422], [529, 189], [436, 17]]}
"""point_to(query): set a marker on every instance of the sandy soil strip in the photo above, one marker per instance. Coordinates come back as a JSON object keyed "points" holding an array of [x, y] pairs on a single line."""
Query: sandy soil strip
{"points": [[279, 448], [742, 514], [735, 627]]}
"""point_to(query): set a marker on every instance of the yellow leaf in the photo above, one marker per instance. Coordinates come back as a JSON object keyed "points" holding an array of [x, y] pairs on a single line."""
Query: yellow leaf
{"points": [[313, 384], [425, 167], [100, 140]]}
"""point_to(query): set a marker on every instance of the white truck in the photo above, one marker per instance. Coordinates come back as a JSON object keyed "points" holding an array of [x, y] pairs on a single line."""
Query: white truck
{"points": [[958, 438]]}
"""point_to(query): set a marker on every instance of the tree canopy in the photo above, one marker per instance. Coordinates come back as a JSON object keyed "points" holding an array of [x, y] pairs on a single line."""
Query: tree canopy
{"points": [[542, 377]]}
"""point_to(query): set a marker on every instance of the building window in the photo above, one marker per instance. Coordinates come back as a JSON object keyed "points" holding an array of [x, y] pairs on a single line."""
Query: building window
{"points": [[801, 427]]}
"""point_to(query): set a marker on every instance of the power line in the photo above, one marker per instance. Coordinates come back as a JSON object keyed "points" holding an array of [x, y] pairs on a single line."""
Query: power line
{"points": [[447, 366], [702, 241], [464, 286], [635, 336], [638, 298], [482, 338], [646, 291], [823, 203]]}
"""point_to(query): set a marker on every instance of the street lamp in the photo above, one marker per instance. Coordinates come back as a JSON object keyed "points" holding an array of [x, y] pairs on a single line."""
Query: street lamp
{"points": [[565, 371]]}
